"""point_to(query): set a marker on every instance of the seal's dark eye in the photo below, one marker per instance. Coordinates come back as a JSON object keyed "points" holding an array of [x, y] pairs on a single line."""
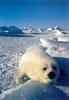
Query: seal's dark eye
{"points": [[54, 67], [44, 69]]}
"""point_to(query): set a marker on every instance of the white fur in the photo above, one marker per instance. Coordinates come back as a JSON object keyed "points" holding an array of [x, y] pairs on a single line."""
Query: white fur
{"points": [[32, 63]]}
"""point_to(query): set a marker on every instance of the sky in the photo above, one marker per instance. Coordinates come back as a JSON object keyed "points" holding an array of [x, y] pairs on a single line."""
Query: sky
{"points": [[36, 13]]}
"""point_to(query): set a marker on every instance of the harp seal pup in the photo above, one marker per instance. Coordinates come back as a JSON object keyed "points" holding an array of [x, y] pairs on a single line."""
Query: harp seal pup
{"points": [[37, 65]]}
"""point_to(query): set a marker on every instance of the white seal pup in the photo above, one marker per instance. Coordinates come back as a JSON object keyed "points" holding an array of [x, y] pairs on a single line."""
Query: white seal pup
{"points": [[37, 65]]}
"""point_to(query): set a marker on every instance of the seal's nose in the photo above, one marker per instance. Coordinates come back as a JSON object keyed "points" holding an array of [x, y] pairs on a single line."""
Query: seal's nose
{"points": [[52, 75]]}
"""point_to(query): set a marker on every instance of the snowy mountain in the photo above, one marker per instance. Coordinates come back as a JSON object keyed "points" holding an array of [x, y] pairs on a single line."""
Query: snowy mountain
{"points": [[4, 29], [58, 28], [49, 29], [26, 29], [14, 29], [10, 31], [33, 30], [58, 33]]}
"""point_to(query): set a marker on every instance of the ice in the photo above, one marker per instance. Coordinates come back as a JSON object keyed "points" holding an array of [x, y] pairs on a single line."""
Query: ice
{"points": [[57, 48], [12, 48], [33, 90], [63, 38]]}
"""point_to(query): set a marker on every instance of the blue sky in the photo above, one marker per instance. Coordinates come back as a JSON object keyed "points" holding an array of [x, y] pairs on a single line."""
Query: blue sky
{"points": [[36, 13]]}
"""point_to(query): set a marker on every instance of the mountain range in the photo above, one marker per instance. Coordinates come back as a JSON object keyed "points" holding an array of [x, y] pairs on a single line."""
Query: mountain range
{"points": [[14, 30]]}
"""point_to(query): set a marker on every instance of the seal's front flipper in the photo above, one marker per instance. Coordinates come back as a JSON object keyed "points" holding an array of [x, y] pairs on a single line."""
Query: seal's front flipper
{"points": [[21, 77], [25, 78]]}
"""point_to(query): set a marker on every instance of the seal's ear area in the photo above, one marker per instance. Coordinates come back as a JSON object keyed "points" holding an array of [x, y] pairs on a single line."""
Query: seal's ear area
{"points": [[61, 72]]}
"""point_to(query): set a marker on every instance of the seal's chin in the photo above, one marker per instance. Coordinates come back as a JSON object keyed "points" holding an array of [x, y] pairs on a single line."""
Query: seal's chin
{"points": [[46, 81]]}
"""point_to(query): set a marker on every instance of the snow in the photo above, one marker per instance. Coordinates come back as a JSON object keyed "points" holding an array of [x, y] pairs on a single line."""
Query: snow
{"points": [[56, 47], [12, 48], [57, 32], [63, 38], [58, 28], [33, 90], [49, 29]]}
